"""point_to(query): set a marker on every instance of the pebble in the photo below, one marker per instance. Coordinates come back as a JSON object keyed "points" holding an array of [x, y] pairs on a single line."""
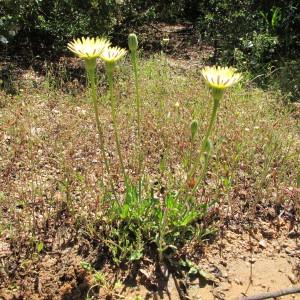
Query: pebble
{"points": [[237, 281], [285, 245], [224, 263], [263, 244], [252, 260], [292, 278]]}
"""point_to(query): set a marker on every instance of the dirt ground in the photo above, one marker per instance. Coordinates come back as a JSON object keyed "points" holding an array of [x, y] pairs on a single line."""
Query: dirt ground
{"points": [[235, 265], [241, 265]]}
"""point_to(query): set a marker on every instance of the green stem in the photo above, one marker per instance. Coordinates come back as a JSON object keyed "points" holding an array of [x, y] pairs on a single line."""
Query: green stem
{"points": [[109, 69], [211, 123], [138, 108], [91, 72], [217, 95], [162, 227], [191, 152]]}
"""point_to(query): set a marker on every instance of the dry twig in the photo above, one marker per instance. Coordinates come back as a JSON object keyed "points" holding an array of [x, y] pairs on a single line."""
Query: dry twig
{"points": [[279, 293]]}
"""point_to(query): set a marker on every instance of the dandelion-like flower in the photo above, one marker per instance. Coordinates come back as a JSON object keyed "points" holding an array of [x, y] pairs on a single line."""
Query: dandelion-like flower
{"points": [[220, 77], [111, 55], [88, 48]]}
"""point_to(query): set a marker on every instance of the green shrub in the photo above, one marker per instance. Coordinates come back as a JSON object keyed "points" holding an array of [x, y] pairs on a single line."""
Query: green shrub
{"points": [[46, 26], [289, 79], [249, 33]]}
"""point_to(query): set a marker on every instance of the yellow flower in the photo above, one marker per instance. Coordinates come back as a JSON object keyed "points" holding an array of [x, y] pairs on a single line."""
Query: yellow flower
{"points": [[111, 55], [220, 78], [88, 48]]}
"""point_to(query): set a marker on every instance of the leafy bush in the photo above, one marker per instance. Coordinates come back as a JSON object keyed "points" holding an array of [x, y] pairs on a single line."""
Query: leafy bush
{"points": [[289, 79], [48, 25], [250, 33]]}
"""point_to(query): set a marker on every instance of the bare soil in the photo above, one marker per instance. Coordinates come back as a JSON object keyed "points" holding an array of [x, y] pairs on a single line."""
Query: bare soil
{"points": [[235, 265]]}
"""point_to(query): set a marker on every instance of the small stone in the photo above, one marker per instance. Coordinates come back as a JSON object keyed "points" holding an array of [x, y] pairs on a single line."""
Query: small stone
{"points": [[292, 278], [225, 288], [5, 250], [263, 244], [285, 245], [252, 260], [268, 233], [223, 263]]}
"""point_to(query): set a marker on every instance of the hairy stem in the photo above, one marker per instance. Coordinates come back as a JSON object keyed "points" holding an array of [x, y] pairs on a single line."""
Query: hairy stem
{"points": [[138, 108], [109, 69], [93, 92], [204, 147]]}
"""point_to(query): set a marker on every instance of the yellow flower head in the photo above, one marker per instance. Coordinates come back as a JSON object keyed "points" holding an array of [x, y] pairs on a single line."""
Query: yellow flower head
{"points": [[220, 78], [88, 48], [111, 55]]}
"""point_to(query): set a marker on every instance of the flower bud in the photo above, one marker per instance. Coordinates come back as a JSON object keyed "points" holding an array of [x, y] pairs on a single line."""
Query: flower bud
{"points": [[132, 42], [208, 147], [164, 42], [194, 128]]}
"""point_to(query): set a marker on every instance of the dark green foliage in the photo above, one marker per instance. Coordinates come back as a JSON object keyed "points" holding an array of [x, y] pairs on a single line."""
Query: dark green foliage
{"points": [[289, 79], [241, 30], [254, 35], [46, 26], [251, 34]]}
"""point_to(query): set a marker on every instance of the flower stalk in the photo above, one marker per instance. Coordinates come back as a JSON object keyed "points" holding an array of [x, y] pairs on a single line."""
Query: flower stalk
{"points": [[133, 46], [91, 73], [109, 72], [218, 79], [89, 49], [110, 56]]}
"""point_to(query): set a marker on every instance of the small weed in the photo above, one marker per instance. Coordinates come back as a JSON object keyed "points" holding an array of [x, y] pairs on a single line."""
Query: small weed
{"points": [[167, 223]]}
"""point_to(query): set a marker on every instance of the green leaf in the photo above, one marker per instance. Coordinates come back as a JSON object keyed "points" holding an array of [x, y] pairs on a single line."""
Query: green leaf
{"points": [[39, 247], [207, 276], [136, 255]]}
